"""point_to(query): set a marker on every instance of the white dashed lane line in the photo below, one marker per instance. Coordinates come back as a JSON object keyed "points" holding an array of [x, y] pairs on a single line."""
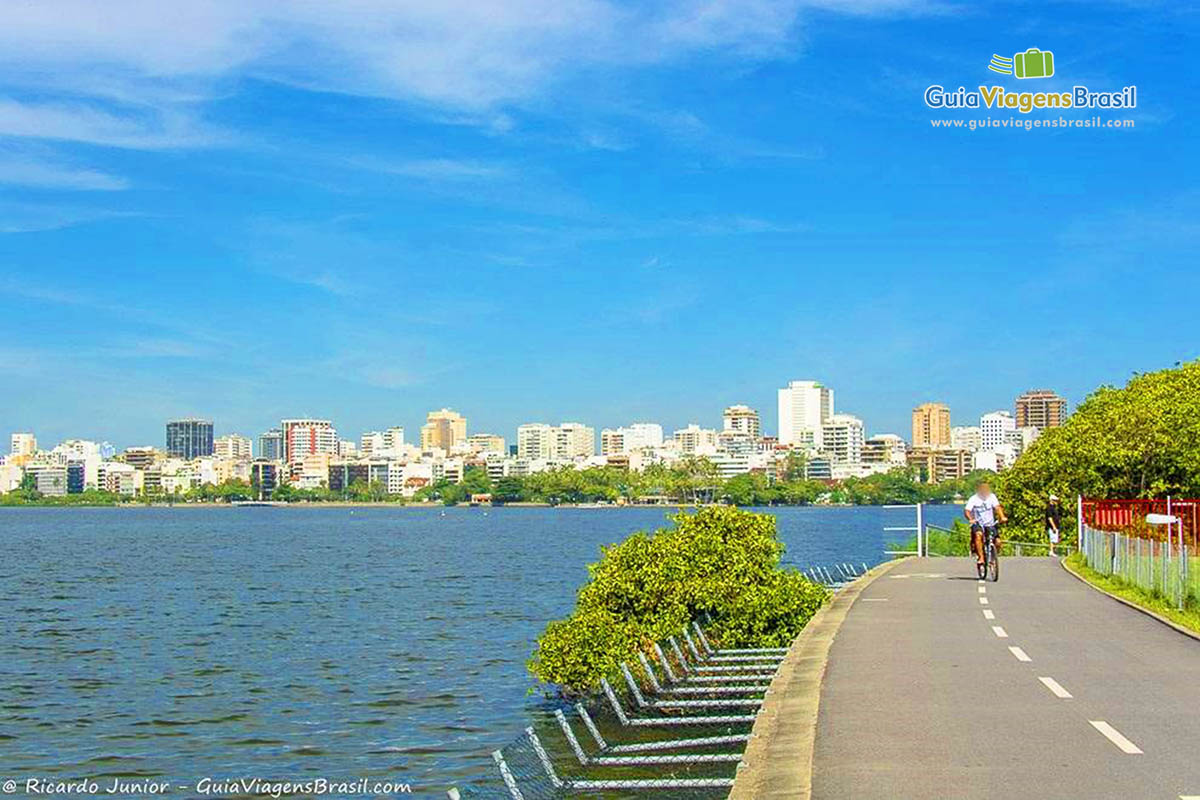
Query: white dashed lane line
{"points": [[1019, 654], [988, 614], [983, 601], [1055, 687], [1000, 632], [1114, 736], [983, 590]]}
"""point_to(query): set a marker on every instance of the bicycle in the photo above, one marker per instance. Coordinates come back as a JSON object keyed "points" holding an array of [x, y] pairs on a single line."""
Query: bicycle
{"points": [[990, 568]]}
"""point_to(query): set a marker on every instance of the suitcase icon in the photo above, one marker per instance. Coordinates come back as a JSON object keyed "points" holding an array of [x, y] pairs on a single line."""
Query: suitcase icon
{"points": [[1033, 63]]}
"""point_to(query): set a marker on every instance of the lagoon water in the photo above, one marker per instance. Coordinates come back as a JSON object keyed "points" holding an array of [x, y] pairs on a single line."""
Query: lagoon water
{"points": [[294, 643]]}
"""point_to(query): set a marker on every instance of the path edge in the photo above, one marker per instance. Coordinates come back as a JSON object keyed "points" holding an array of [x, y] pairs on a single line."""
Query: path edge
{"points": [[1153, 614], [779, 757]]}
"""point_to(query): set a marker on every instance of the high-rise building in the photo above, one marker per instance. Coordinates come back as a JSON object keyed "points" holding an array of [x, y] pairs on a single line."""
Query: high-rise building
{"points": [[1041, 409], [443, 429], [996, 428], [535, 441], [743, 419], [190, 438], [967, 437], [629, 439], [23, 445], [693, 439], [574, 440], [885, 448], [306, 437], [566, 442], [232, 445], [486, 443], [931, 425], [843, 438], [270, 445], [804, 407]]}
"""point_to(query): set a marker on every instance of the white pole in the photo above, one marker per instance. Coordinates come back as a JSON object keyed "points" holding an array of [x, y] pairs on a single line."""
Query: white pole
{"points": [[921, 551], [1079, 519]]}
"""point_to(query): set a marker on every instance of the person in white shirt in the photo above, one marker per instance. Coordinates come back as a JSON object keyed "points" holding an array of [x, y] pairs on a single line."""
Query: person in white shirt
{"points": [[983, 511]]}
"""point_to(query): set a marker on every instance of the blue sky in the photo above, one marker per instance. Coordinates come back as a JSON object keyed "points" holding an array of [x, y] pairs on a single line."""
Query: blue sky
{"points": [[576, 210]]}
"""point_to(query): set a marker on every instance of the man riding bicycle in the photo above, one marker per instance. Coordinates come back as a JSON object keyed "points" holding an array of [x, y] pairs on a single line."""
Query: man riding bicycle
{"points": [[984, 512]]}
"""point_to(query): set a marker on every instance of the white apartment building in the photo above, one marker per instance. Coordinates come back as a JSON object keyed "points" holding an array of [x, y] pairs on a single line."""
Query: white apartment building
{"points": [[305, 437], [967, 437], [804, 407], [742, 419], [574, 440], [631, 439], [371, 443], [843, 438], [694, 440], [233, 446], [535, 440], [995, 429]]}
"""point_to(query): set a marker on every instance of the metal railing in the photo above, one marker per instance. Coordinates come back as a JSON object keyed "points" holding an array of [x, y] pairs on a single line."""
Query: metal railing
{"points": [[941, 541], [1162, 568], [678, 729]]}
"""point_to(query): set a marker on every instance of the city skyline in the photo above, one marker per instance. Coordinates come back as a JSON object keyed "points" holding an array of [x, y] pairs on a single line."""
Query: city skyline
{"points": [[415, 433]]}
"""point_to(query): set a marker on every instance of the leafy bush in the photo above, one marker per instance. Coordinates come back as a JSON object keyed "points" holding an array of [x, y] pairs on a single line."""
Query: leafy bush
{"points": [[719, 561]]}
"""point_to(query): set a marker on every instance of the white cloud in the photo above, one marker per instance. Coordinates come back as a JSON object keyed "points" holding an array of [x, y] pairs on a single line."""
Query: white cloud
{"points": [[45, 175], [84, 122], [458, 54]]}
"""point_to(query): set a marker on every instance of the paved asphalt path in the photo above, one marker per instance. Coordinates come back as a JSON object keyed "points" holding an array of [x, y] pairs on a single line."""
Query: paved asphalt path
{"points": [[923, 698]]}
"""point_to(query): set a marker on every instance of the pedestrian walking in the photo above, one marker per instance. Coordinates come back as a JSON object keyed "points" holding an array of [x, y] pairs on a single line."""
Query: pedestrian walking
{"points": [[1053, 523]]}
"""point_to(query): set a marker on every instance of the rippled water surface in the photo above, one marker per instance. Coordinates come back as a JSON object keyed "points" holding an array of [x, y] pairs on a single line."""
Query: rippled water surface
{"points": [[291, 643]]}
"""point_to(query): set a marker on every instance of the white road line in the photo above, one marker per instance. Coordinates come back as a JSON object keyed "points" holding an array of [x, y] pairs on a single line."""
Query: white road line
{"points": [[988, 614], [1003, 634], [875, 599], [1019, 654], [1114, 736], [983, 590], [983, 601], [1189, 797], [1056, 687]]}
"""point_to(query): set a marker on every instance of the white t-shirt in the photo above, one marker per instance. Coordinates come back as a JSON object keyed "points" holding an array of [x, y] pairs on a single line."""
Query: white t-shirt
{"points": [[983, 509]]}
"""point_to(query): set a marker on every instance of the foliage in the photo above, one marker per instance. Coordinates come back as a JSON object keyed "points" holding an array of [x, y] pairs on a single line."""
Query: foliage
{"points": [[1142, 440], [89, 497], [720, 561]]}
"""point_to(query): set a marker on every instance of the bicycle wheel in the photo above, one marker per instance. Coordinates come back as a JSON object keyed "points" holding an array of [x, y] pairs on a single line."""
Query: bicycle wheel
{"points": [[993, 562], [981, 567]]}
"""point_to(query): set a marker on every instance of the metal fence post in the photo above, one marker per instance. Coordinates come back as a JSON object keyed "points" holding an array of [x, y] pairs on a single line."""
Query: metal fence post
{"points": [[922, 541]]}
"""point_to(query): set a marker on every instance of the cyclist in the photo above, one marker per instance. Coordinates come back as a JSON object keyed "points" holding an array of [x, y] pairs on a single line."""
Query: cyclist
{"points": [[983, 511]]}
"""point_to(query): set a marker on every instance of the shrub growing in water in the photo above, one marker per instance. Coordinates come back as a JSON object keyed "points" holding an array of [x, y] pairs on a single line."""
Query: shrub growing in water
{"points": [[722, 561]]}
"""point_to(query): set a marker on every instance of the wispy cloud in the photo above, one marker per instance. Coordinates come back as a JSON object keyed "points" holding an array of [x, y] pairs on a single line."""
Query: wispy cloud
{"points": [[87, 123], [47, 175], [436, 169], [466, 54]]}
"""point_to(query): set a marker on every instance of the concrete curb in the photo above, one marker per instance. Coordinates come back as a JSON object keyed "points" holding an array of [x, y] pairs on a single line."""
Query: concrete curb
{"points": [[1169, 623], [778, 759]]}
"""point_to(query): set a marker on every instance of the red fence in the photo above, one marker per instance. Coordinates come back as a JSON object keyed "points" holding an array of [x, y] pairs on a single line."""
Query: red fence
{"points": [[1129, 516]]}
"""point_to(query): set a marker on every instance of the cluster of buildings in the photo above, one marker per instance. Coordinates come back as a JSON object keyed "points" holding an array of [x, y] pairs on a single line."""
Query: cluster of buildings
{"points": [[308, 453]]}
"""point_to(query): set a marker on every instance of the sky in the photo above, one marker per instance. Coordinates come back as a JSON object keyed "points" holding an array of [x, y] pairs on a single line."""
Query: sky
{"points": [[577, 210]]}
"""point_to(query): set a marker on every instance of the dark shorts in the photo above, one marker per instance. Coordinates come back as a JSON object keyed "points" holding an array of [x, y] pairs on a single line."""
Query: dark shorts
{"points": [[977, 528]]}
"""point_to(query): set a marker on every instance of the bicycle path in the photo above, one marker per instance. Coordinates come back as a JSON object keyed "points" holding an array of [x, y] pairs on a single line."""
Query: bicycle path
{"points": [[1038, 686]]}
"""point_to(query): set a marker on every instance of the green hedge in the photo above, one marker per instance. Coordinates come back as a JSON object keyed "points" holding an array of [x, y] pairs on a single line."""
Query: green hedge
{"points": [[720, 561]]}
